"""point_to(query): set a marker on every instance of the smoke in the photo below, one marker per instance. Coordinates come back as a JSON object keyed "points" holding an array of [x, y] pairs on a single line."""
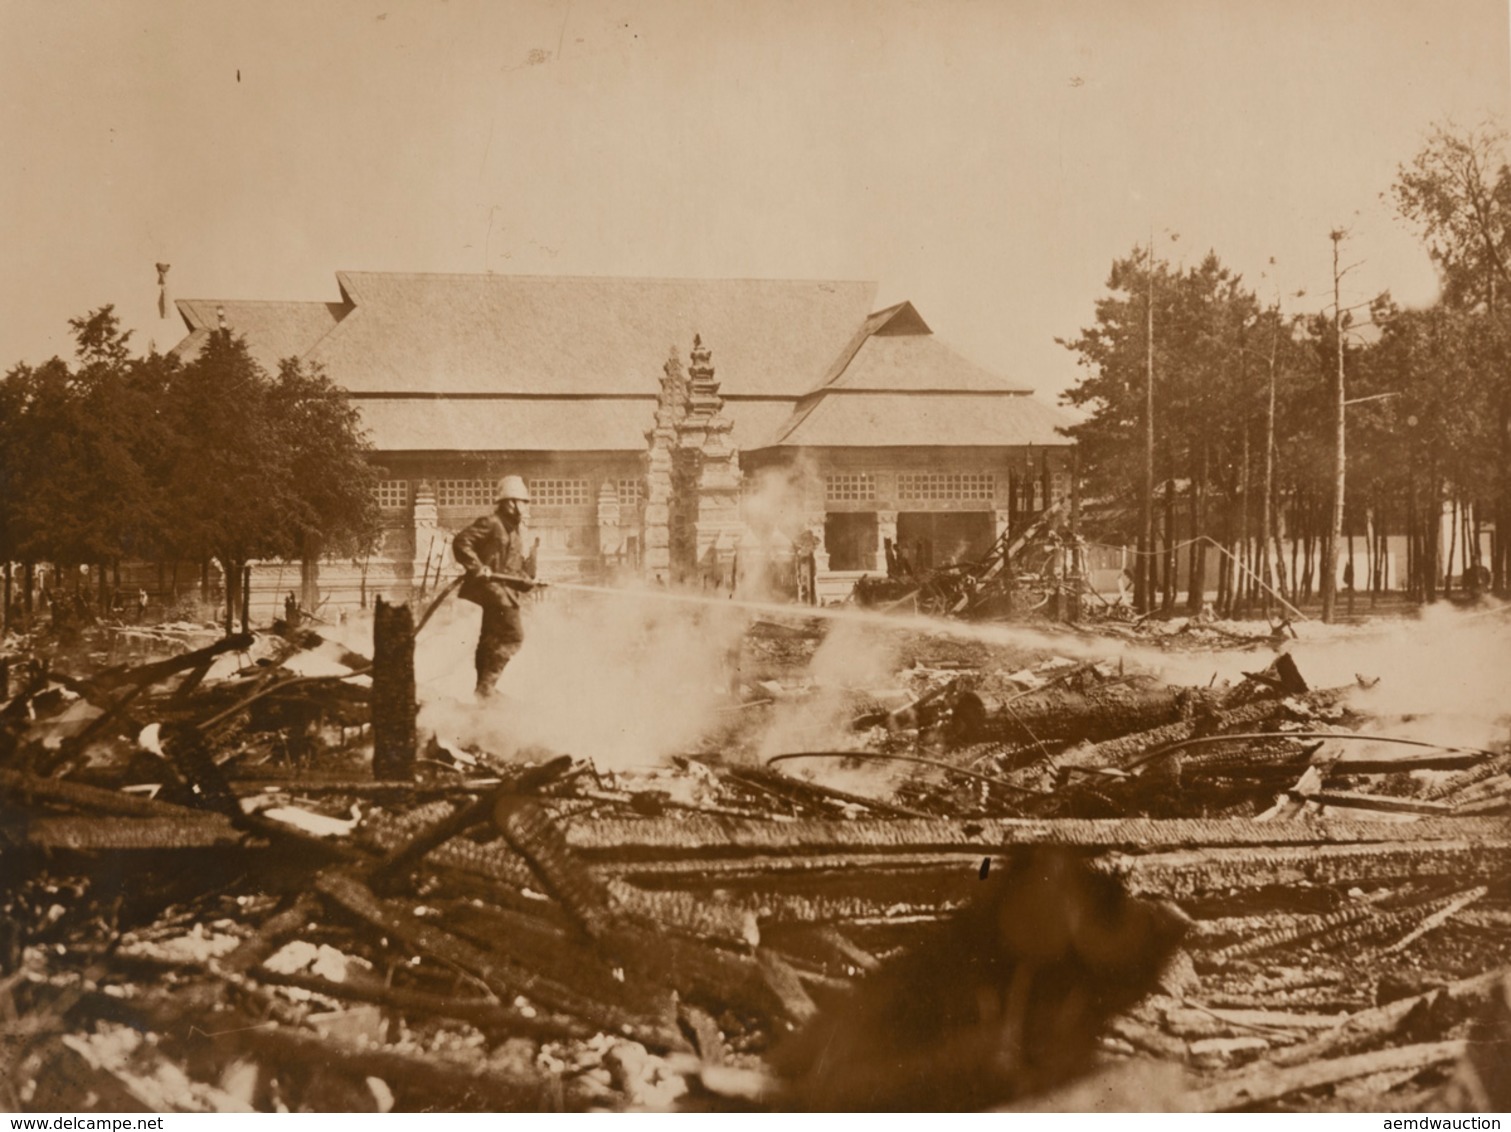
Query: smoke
{"points": [[1441, 676], [850, 663], [622, 679], [773, 507]]}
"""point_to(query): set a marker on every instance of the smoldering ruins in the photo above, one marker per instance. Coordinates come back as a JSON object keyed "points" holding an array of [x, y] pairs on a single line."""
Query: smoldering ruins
{"points": [[714, 854], [982, 649]]}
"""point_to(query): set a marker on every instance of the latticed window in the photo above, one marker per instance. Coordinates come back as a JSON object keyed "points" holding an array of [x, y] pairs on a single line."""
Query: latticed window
{"points": [[845, 487], [631, 492], [465, 493], [392, 495], [559, 493], [945, 485]]}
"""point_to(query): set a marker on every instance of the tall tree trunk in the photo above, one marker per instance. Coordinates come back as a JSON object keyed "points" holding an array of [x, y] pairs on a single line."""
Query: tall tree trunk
{"points": [[1167, 602], [1197, 595], [1500, 545], [28, 587], [1453, 546], [5, 611], [309, 573], [233, 571], [1413, 557], [1353, 577], [1243, 583], [1431, 530]]}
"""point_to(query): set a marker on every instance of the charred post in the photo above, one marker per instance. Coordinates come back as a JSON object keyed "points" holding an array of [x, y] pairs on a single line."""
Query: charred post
{"points": [[393, 692]]}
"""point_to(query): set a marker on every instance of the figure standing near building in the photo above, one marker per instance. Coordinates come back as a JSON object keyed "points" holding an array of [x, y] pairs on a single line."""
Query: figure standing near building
{"points": [[492, 552]]}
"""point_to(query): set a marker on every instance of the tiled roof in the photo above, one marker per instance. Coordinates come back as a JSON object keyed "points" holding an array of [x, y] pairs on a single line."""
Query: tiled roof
{"points": [[273, 330], [504, 424], [843, 419], [539, 424], [543, 363], [915, 362], [504, 334]]}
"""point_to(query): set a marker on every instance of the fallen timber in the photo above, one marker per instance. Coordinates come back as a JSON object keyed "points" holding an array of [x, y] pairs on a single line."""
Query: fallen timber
{"points": [[627, 841], [1059, 714], [1123, 751], [545, 913]]}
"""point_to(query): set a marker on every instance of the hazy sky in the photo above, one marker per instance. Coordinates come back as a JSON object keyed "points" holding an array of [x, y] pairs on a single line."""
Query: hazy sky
{"points": [[986, 160]]}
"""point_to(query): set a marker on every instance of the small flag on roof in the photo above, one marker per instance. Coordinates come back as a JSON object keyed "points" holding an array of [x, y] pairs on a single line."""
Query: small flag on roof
{"points": [[162, 289]]}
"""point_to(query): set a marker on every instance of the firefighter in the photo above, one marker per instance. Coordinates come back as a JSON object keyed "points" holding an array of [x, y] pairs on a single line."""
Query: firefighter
{"points": [[492, 552]]}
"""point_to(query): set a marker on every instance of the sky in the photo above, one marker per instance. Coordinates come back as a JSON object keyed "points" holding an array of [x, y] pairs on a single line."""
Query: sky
{"points": [[985, 160]]}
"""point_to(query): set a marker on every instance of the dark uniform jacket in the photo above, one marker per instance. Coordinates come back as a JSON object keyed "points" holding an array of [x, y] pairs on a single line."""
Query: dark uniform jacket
{"points": [[488, 543]]}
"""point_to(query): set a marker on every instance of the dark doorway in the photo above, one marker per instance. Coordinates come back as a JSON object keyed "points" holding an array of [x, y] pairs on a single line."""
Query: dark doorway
{"points": [[850, 539], [936, 538]]}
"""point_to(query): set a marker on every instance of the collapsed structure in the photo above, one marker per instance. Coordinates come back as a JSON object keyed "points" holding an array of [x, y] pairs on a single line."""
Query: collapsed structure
{"points": [[802, 423], [231, 886]]}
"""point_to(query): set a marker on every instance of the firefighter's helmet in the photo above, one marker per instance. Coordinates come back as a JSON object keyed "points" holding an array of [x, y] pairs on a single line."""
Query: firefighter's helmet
{"points": [[513, 487]]}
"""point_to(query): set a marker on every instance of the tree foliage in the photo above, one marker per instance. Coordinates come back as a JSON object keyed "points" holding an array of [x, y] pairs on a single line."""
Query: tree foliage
{"points": [[149, 457], [1429, 421]]}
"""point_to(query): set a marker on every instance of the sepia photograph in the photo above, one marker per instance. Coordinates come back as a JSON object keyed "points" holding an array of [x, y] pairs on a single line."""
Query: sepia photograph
{"points": [[755, 556]]}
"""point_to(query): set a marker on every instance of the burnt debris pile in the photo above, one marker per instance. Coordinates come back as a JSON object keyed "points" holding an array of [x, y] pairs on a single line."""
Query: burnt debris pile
{"points": [[998, 878]]}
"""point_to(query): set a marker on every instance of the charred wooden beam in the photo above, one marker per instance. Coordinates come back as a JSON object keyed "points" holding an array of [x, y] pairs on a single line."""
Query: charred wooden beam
{"points": [[188, 752], [1269, 1083], [26, 790], [97, 835], [813, 792], [692, 914], [561, 956], [1440, 916], [498, 974], [465, 817], [484, 1013], [1124, 750], [1490, 768], [623, 841], [1369, 1026], [1187, 873], [394, 708], [1384, 803], [1055, 715], [536, 837], [271, 933], [1299, 929], [407, 1073], [125, 676]]}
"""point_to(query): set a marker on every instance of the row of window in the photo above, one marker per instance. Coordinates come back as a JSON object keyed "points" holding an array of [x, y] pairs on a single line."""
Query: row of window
{"points": [[843, 487], [857, 487], [393, 495]]}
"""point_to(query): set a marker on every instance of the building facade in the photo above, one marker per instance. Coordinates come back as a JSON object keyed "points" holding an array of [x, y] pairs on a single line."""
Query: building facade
{"points": [[681, 430]]}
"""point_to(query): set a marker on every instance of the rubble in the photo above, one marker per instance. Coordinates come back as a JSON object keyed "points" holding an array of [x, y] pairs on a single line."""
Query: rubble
{"points": [[1247, 895]]}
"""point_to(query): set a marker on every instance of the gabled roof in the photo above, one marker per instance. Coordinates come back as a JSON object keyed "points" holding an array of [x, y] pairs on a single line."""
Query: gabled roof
{"points": [[895, 349], [273, 330], [506, 424], [503, 334], [538, 424], [545, 363], [922, 420]]}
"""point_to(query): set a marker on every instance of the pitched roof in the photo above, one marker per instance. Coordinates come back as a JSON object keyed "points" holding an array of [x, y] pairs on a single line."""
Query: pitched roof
{"points": [[545, 363], [916, 361], [539, 424], [507, 424], [273, 330], [846, 419], [504, 334]]}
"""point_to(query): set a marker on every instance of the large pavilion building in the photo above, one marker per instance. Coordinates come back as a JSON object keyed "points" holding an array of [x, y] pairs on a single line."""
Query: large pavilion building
{"points": [[668, 428]]}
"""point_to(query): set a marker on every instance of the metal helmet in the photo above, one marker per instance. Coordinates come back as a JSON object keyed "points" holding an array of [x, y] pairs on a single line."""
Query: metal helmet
{"points": [[513, 487]]}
